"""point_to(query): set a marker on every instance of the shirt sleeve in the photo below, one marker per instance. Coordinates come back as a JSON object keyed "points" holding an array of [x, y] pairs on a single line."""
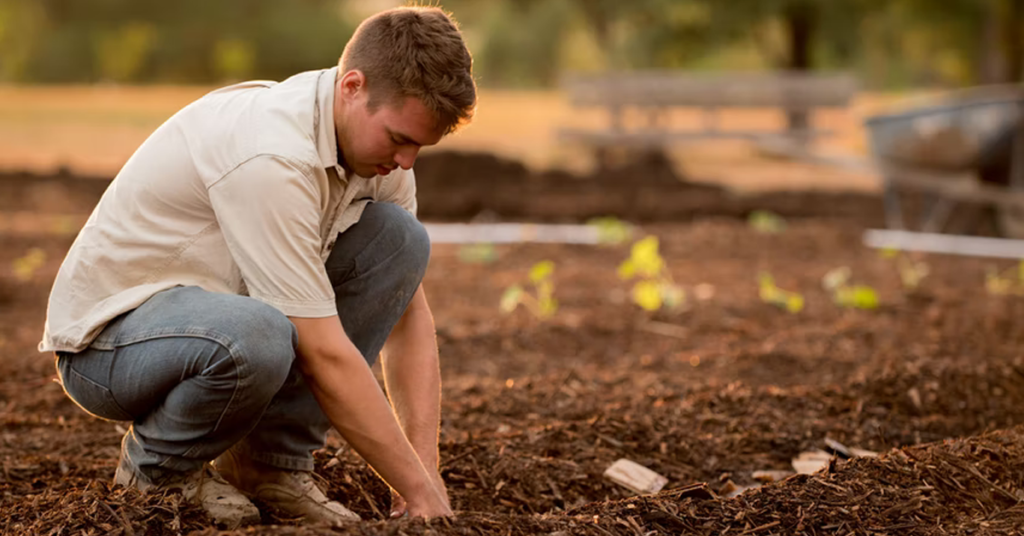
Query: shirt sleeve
{"points": [[269, 213], [400, 188]]}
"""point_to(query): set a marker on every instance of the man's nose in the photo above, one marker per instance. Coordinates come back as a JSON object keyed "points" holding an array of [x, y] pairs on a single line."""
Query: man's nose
{"points": [[406, 157]]}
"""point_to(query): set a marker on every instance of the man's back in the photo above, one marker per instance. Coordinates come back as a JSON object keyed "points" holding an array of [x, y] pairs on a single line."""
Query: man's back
{"points": [[156, 227]]}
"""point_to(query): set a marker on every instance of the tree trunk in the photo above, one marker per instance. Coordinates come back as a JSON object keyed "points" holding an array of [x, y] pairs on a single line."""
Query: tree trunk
{"points": [[1013, 40], [990, 64], [801, 22]]}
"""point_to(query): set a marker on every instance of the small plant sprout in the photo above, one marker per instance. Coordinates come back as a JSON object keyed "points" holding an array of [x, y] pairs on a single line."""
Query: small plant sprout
{"points": [[836, 282], [541, 303], [769, 293], [911, 272], [479, 253], [611, 230], [25, 267], [766, 222], [1007, 282], [654, 287]]}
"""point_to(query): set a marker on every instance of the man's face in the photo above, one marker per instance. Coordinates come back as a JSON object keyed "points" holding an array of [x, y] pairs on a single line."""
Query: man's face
{"points": [[376, 142]]}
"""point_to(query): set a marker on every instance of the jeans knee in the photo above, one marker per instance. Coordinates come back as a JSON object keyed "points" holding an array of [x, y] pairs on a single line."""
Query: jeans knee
{"points": [[265, 346], [402, 232]]}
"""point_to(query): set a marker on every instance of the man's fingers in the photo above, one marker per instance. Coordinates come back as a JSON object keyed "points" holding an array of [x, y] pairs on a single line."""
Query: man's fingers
{"points": [[398, 505]]}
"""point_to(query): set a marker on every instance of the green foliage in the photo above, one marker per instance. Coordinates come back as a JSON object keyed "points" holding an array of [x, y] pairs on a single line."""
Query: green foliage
{"points": [[22, 31], [120, 53], [611, 230], [541, 303], [836, 281], [522, 44], [516, 43], [912, 272], [766, 222], [772, 294], [483, 253], [26, 266], [1009, 282], [233, 59], [183, 41], [654, 288]]}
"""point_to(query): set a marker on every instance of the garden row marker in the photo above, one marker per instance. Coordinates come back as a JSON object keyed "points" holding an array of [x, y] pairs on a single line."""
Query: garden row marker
{"points": [[511, 233], [974, 246], [634, 476]]}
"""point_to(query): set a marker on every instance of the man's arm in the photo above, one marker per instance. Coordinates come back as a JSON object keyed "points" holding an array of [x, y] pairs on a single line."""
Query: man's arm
{"points": [[352, 399], [413, 380], [412, 376]]}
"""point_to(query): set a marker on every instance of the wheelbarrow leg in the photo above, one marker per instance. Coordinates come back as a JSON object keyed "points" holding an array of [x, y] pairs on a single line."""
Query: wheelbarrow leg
{"points": [[891, 202], [936, 213]]}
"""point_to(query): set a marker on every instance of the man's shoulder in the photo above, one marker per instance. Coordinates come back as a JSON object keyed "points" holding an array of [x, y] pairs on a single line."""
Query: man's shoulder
{"points": [[258, 118]]}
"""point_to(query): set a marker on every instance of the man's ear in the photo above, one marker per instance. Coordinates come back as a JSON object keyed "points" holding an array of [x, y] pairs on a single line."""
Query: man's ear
{"points": [[352, 83]]}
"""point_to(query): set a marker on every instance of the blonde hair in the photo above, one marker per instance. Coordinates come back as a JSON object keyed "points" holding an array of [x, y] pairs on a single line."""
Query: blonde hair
{"points": [[415, 52]]}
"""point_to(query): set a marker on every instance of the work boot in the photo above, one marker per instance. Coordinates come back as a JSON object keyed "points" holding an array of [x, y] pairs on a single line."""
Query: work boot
{"points": [[292, 494], [226, 505]]}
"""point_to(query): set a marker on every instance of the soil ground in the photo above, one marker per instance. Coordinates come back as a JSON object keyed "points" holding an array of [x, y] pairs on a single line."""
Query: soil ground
{"points": [[535, 410]]}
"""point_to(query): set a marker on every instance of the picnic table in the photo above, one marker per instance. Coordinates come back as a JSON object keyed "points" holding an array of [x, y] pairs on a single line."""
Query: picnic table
{"points": [[655, 94]]}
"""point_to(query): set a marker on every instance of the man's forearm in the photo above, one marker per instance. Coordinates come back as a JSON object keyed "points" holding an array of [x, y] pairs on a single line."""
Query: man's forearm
{"points": [[351, 398], [413, 378]]}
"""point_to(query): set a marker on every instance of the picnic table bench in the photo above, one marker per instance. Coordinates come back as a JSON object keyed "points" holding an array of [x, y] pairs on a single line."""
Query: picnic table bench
{"points": [[655, 93]]}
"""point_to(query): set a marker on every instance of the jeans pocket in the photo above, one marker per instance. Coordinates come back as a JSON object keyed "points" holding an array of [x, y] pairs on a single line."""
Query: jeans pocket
{"points": [[94, 398]]}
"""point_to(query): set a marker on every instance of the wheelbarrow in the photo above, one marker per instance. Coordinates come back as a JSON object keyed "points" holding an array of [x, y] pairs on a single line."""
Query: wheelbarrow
{"points": [[966, 148]]}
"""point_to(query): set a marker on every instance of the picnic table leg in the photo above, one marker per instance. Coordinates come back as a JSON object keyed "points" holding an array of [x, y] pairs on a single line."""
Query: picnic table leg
{"points": [[1011, 218]]}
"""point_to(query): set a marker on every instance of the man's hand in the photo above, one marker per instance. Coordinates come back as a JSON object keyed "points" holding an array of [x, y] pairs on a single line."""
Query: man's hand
{"points": [[399, 507], [352, 400]]}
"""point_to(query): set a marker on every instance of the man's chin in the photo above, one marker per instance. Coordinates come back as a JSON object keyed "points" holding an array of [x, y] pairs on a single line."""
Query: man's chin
{"points": [[365, 174]]}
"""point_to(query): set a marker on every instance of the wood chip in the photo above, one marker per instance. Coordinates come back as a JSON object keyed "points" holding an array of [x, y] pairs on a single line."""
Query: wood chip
{"points": [[915, 397], [634, 476], [863, 453], [771, 475], [811, 462], [838, 448]]}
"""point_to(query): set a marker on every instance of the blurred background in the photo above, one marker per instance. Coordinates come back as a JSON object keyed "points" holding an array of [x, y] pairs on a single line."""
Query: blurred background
{"points": [[890, 44], [82, 82]]}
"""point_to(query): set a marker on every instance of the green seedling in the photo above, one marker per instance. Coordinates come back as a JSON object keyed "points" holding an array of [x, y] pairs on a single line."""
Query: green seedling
{"points": [[911, 272], [837, 282], [784, 299], [766, 222], [611, 230], [1007, 282], [26, 267], [483, 253], [541, 303], [654, 287]]}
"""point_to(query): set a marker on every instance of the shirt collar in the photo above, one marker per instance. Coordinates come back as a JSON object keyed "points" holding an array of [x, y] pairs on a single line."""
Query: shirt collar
{"points": [[326, 138]]}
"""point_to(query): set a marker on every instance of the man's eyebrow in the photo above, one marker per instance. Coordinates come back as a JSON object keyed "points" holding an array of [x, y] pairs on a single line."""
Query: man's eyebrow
{"points": [[403, 139]]}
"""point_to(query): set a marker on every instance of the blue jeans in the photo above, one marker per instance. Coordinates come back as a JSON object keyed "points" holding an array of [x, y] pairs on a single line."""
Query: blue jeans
{"points": [[198, 372]]}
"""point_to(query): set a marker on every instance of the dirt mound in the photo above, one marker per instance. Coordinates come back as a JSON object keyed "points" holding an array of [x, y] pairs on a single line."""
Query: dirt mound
{"points": [[455, 186]]}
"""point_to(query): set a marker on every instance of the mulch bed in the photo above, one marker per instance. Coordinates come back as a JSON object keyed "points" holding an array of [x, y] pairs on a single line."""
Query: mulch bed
{"points": [[535, 411]]}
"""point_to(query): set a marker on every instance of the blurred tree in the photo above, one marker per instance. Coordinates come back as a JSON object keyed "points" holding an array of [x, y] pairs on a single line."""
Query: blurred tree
{"points": [[183, 41], [519, 43], [522, 43], [21, 26], [233, 59], [120, 53]]}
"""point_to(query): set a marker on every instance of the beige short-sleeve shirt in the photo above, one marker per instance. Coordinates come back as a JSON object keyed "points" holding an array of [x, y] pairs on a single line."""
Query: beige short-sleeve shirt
{"points": [[240, 192]]}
